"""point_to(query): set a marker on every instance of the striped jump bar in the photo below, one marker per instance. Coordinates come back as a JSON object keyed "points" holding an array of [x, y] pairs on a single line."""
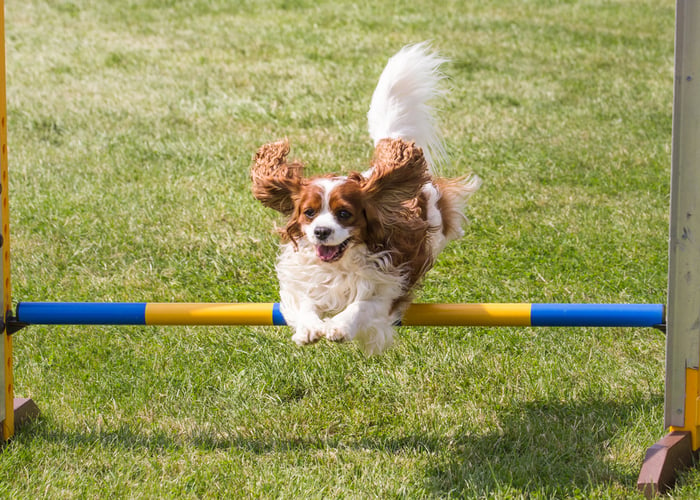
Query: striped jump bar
{"points": [[268, 314]]}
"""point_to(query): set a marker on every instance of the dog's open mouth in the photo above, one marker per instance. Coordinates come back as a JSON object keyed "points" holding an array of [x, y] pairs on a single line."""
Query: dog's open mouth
{"points": [[331, 253]]}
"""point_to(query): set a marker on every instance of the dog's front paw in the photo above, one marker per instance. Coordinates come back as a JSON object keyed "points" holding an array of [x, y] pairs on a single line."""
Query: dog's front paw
{"points": [[335, 334], [337, 331], [308, 334]]}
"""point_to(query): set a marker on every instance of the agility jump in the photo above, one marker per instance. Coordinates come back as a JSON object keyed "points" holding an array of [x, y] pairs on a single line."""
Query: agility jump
{"points": [[682, 395]]}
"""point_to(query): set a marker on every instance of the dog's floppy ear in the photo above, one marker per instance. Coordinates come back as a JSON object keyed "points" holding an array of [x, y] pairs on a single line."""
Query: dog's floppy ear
{"points": [[392, 189], [276, 182], [398, 173]]}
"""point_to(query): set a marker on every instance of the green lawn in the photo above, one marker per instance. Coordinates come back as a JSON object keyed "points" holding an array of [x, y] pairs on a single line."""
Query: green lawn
{"points": [[132, 127]]}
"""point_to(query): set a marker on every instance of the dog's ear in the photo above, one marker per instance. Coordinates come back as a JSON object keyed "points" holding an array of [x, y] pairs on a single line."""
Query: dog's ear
{"points": [[392, 189], [276, 182], [398, 173]]}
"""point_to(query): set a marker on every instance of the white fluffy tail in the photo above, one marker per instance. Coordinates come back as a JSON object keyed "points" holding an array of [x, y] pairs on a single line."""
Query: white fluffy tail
{"points": [[399, 107]]}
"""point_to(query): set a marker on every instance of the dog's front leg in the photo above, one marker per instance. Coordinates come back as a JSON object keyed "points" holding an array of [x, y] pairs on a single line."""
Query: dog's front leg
{"points": [[357, 317], [308, 326]]}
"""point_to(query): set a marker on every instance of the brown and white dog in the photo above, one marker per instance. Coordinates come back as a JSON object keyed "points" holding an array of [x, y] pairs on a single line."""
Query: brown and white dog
{"points": [[356, 246]]}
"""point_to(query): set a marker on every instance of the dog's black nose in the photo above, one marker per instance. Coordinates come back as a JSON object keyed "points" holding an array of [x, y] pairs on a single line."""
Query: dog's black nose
{"points": [[322, 233]]}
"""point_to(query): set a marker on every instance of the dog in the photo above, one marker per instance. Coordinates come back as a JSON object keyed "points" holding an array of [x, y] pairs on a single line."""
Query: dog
{"points": [[356, 246]]}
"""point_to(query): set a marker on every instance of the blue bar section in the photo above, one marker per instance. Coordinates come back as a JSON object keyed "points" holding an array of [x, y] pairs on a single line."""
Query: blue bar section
{"points": [[597, 315], [277, 318], [82, 313]]}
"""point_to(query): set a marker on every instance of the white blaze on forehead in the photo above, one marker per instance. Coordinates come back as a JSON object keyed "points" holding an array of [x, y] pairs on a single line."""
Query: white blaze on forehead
{"points": [[328, 185], [326, 218]]}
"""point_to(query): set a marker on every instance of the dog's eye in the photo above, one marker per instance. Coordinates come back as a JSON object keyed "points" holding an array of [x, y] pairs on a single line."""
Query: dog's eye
{"points": [[343, 214], [309, 213]]}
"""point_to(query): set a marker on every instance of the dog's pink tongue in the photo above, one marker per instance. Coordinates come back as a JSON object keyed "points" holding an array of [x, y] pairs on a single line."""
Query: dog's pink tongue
{"points": [[327, 253]]}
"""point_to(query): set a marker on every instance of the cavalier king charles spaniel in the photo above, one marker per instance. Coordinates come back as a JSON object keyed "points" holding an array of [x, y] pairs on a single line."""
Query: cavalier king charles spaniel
{"points": [[356, 246]]}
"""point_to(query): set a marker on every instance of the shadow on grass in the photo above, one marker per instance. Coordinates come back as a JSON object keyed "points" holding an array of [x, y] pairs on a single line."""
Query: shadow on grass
{"points": [[557, 448]]}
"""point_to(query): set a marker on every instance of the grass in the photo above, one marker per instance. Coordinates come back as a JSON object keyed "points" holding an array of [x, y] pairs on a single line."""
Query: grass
{"points": [[132, 126]]}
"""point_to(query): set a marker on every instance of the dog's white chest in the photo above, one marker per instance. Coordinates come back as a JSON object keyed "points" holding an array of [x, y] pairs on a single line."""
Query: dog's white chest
{"points": [[331, 286]]}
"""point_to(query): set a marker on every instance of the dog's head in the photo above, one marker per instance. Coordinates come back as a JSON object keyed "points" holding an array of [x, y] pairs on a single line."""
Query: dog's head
{"points": [[333, 212]]}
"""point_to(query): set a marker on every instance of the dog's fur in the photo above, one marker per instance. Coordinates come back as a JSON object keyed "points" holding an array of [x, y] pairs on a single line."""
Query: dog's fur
{"points": [[356, 246]]}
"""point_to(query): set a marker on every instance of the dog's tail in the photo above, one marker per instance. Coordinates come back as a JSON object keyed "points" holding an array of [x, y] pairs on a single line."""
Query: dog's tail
{"points": [[400, 104]]}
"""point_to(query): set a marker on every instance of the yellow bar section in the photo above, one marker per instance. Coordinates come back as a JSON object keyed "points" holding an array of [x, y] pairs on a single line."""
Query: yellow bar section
{"points": [[208, 314], [467, 315]]}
